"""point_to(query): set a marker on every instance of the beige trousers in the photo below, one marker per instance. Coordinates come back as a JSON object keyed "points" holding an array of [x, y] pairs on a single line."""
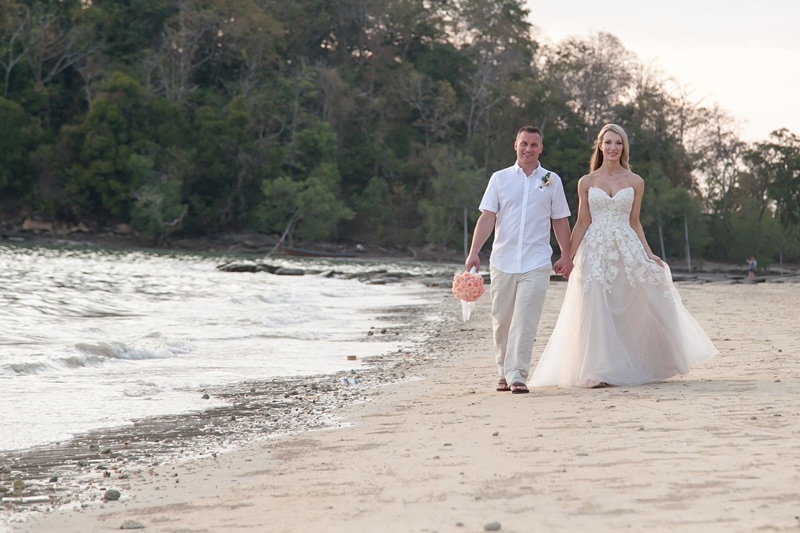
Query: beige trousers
{"points": [[517, 302]]}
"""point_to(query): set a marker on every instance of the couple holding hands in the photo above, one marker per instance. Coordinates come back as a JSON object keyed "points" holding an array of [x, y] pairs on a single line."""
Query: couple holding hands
{"points": [[622, 321]]}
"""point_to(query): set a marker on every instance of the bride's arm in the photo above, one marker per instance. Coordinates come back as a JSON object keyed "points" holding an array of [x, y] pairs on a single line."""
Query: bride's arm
{"points": [[584, 216], [636, 224]]}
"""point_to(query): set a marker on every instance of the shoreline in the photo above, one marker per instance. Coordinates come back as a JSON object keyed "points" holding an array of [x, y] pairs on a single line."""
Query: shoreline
{"points": [[714, 450], [74, 472]]}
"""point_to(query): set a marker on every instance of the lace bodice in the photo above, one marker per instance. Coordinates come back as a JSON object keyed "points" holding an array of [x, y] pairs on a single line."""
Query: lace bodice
{"points": [[607, 209], [611, 247]]}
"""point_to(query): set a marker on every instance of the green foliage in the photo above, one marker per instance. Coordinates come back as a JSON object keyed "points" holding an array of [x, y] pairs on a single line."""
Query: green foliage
{"points": [[775, 168], [98, 178], [157, 211], [788, 244], [455, 189], [309, 191], [567, 154], [17, 136], [375, 120], [751, 235], [223, 185], [443, 62], [127, 28], [373, 218], [319, 204], [668, 214], [315, 200]]}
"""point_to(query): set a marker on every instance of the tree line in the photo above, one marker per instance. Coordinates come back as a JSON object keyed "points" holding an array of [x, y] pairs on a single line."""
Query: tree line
{"points": [[355, 121]]}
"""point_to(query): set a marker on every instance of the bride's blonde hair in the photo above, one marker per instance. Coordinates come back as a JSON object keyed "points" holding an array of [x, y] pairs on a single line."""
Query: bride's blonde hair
{"points": [[597, 155]]}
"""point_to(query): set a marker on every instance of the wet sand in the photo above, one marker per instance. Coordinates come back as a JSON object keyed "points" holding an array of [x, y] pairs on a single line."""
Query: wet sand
{"points": [[715, 450]]}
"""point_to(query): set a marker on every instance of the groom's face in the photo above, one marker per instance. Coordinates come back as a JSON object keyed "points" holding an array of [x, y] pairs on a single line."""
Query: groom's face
{"points": [[528, 147]]}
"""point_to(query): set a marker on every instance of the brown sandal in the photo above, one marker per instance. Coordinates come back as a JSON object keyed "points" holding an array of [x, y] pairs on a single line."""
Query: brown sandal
{"points": [[519, 388], [502, 385]]}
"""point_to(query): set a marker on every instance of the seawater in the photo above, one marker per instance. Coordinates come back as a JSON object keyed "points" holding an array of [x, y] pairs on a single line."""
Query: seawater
{"points": [[94, 339]]}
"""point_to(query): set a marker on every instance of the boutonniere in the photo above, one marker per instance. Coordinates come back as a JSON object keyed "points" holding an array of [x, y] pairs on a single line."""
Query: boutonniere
{"points": [[546, 181]]}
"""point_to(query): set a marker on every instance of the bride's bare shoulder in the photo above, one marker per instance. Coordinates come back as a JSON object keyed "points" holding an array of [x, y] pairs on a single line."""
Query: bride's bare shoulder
{"points": [[635, 180], [586, 181]]}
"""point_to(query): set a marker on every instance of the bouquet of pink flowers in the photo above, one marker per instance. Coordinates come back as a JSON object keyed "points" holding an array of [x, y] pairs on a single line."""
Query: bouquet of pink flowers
{"points": [[468, 287]]}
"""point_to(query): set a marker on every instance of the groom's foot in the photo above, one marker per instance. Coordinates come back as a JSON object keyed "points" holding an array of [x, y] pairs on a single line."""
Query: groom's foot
{"points": [[519, 388], [502, 385]]}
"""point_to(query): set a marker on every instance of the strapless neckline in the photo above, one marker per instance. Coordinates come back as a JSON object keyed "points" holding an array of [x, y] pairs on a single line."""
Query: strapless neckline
{"points": [[608, 193]]}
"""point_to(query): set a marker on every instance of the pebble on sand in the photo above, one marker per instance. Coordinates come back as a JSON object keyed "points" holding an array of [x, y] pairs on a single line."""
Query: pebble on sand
{"points": [[131, 524]]}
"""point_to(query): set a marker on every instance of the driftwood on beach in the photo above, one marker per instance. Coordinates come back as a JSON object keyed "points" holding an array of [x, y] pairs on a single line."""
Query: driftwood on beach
{"points": [[233, 266], [376, 276]]}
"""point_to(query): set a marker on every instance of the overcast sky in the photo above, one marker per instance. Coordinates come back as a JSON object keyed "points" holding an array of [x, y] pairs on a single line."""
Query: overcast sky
{"points": [[745, 56]]}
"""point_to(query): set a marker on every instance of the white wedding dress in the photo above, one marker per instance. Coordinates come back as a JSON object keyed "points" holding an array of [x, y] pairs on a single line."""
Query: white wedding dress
{"points": [[622, 321]]}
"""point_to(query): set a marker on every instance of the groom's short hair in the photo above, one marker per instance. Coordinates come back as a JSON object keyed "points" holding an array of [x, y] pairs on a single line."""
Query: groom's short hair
{"points": [[530, 129]]}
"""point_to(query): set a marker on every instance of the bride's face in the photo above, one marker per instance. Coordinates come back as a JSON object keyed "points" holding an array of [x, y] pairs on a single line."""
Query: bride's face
{"points": [[611, 146]]}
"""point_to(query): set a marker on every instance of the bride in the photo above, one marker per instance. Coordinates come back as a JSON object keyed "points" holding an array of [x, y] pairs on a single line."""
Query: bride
{"points": [[622, 321]]}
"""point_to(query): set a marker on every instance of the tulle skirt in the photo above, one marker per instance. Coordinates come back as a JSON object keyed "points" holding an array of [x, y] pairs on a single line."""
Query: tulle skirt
{"points": [[621, 333]]}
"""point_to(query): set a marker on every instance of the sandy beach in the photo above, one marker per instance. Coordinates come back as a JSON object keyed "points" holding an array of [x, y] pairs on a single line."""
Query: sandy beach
{"points": [[715, 450]]}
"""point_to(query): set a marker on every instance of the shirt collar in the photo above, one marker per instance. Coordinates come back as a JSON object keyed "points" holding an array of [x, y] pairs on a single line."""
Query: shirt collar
{"points": [[518, 169]]}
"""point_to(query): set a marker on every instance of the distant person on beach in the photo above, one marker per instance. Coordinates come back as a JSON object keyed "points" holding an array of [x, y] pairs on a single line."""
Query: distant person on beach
{"points": [[622, 321], [752, 266], [521, 204]]}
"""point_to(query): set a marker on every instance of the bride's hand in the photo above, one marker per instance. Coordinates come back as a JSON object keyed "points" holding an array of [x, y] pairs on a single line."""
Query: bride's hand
{"points": [[654, 257]]}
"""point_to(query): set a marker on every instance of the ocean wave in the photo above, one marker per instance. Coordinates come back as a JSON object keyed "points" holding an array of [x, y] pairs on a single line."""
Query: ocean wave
{"points": [[97, 354], [142, 389], [295, 335], [22, 339], [57, 365], [80, 310], [123, 351]]}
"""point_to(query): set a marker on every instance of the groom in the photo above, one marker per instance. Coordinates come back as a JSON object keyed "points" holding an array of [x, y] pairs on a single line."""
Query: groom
{"points": [[520, 205]]}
